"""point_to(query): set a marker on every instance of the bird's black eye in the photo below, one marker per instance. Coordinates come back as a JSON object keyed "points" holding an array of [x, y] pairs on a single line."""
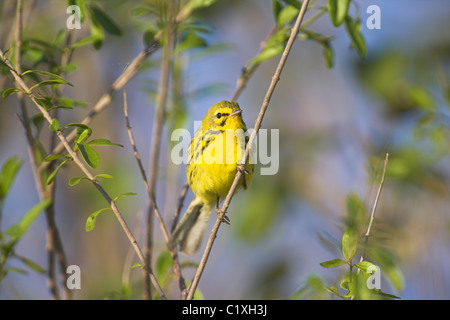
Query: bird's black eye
{"points": [[219, 115]]}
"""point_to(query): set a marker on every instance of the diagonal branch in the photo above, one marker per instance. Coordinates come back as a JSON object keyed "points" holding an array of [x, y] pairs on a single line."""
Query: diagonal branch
{"points": [[85, 170], [106, 98], [374, 208], [239, 173]]}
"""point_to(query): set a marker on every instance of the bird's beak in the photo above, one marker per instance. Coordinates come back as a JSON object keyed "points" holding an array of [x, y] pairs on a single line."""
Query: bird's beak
{"points": [[236, 113]]}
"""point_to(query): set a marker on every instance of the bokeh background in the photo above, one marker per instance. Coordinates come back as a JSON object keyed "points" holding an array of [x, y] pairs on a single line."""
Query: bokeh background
{"points": [[335, 125]]}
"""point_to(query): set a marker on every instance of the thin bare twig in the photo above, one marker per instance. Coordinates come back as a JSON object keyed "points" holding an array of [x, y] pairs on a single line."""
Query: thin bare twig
{"points": [[372, 214], [176, 260], [88, 174], [176, 265], [248, 72], [141, 166], [176, 214], [239, 173], [157, 132]]}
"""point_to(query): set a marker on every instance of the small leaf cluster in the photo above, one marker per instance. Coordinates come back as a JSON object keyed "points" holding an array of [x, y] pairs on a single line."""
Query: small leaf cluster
{"points": [[88, 153], [285, 13], [354, 283], [11, 236], [99, 23]]}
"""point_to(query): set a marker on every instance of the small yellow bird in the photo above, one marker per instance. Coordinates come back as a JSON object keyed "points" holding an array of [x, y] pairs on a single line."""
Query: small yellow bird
{"points": [[215, 151]]}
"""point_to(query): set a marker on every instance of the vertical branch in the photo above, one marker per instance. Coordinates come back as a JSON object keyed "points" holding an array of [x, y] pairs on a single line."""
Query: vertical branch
{"points": [[54, 244], [239, 173], [176, 214], [156, 139], [176, 263]]}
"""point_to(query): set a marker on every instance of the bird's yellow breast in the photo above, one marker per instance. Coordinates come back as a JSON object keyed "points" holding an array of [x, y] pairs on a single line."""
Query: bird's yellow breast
{"points": [[215, 151]]}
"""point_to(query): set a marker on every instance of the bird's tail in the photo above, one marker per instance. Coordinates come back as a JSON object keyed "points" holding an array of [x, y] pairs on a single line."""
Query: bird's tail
{"points": [[189, 231]]}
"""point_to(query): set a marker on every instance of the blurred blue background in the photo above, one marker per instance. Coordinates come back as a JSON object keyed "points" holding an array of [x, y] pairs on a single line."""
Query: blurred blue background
{"points": [[335, 127]]}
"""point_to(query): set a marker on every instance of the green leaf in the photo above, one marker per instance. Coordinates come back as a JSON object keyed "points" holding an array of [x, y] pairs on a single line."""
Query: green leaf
{"points": [[346, 284], [387, 262], [105, 21], [58, 107], [86, 41], [139, 11], [78, 125], [328, 54], [193, 5], [7, 174], [274, 46], [5, 66], [44, 102], [422, 98], [37, 120], [163, 266], [190, 41], [364, 265], [16, 270], [295, 3], [69, 103], [126, 194], [90, 222], [287, 15], [97, 33], [356, 211], [54, 125], [52, 176], [89, 155], [82, 137], [74, 181], [334, 290], [314, 289], [333, 263], [69, 68], [137, 265], [386, 295], [262, 209], [276, 8], [16, 231], [198, 295], [149, 35], [82, 6], [31, 264], [45, 73], [349, 243], [50, 82], [268, 53], [337, 10], [102, 142], [103, 175], [353, 28], [53, 157], [58, 40], [10, 91]]}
